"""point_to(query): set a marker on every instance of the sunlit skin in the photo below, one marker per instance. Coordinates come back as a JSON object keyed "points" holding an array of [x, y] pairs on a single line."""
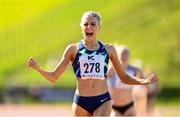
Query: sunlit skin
{"points": [[87, 87]]}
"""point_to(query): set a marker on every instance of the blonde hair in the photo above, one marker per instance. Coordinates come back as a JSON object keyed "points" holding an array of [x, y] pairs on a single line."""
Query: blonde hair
{"points": [[93, 14]]}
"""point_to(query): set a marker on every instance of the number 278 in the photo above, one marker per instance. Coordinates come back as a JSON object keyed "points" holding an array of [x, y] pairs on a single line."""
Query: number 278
{"points": [[89, 67]]}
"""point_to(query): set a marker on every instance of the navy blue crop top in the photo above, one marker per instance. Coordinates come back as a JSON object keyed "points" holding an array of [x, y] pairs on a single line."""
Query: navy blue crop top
{"points": [[91, 64]]}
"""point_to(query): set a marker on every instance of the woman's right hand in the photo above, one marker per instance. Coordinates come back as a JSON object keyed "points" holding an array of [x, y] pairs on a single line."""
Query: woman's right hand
{"points": [[33, 64]]}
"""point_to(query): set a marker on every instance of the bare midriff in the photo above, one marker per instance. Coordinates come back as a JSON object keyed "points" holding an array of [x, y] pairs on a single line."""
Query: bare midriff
{"points": [[91, 87], [121, 97]]}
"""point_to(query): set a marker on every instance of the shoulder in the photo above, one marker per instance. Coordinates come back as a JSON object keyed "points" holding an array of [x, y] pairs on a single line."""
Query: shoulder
{"points": [[110, 49], [72, 48]]}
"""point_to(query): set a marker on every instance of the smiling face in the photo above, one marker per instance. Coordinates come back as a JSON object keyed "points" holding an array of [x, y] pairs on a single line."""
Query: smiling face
{"points": [[90, 27]]}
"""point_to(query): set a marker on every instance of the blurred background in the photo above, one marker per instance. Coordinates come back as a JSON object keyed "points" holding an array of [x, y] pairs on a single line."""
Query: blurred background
{"points": [[43, 28]]}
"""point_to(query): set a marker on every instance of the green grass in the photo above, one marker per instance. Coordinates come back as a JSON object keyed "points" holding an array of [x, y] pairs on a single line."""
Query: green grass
{"points": [[43, 30]]}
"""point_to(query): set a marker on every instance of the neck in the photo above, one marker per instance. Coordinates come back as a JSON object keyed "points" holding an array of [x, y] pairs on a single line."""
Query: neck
{"points": [[90, 44]]}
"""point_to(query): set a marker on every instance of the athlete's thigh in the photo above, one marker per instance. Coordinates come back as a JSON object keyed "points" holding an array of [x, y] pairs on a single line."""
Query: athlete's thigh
{"points": [[104, 109], [79, 111]]}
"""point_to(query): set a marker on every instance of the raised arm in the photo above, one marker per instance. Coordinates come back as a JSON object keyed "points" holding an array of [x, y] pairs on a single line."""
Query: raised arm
{"points": [[52, 76], [121, 73], [110, 70]]}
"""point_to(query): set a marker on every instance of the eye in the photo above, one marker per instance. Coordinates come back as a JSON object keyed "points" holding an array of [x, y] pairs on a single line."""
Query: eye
{"points": [[93, 24], [86, 24]]}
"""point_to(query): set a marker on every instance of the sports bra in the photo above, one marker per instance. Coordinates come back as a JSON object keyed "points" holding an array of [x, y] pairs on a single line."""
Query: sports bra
{"points": [[91, 64]]}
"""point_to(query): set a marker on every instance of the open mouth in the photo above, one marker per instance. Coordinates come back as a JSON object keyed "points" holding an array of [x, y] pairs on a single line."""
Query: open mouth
{"points": [[89, 34]]}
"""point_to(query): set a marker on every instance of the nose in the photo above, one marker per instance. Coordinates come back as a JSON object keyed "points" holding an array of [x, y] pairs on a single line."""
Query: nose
{"points": [[90, 26]]}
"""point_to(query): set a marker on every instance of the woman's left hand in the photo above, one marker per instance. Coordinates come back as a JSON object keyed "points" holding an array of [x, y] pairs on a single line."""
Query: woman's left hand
{"points": [[151, 79]]}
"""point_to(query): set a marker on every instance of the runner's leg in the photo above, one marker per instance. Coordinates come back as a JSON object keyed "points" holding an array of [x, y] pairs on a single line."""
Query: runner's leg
{"points": [[104, 109], [79, 111]]}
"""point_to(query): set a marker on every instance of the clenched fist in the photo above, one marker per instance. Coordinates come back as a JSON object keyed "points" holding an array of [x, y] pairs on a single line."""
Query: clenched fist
{"points": [[33, 64]]}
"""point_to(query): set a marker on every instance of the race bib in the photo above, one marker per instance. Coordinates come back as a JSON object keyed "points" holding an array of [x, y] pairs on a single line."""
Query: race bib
{"points": [[92, 66]]}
